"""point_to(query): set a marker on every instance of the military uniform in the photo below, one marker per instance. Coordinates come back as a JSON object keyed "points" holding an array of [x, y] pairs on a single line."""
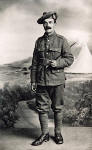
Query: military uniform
{"points": [[50, 80], [47, 48]]}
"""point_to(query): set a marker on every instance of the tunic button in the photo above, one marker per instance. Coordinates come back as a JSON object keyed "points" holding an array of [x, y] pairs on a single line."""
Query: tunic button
{"points": [[47, 53]]}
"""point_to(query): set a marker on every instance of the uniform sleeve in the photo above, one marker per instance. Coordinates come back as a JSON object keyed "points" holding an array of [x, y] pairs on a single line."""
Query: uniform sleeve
{"points": [[67, 57], [33, 73]]}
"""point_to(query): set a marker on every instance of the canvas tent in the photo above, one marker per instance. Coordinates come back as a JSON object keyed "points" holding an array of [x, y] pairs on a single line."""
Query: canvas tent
{"points": [[83, 63]]}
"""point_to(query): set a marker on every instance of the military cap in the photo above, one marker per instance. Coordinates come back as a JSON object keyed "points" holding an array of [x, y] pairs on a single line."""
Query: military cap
{"points": [[47, 15]]}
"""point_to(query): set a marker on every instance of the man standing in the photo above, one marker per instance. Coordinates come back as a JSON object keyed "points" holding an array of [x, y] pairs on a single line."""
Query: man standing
{"points": [[51, 55]]}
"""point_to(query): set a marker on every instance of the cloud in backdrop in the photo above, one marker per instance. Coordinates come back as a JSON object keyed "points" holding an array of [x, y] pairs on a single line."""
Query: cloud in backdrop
{"points": [[19, 28]]}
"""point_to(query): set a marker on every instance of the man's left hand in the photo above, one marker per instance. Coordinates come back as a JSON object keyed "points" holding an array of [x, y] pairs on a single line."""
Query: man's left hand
{"points": [[53, 63]]}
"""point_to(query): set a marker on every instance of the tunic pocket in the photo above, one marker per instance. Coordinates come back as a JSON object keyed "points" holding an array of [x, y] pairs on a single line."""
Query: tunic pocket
{"points": [[55, 53], [55, 50]]}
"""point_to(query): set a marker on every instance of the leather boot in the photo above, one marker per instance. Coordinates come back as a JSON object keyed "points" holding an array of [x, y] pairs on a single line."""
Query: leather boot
{"points": [[41, 139], [58, 138]]}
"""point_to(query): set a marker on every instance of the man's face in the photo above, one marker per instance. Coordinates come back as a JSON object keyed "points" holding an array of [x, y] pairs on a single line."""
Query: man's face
{"points": [[49, 25]]}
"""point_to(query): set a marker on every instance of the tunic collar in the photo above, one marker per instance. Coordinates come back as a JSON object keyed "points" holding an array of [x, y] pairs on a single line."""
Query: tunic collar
{"points": [[49, 36]]}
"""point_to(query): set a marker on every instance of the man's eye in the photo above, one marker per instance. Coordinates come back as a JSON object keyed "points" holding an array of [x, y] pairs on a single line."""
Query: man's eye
{"points": [[45, 23]]}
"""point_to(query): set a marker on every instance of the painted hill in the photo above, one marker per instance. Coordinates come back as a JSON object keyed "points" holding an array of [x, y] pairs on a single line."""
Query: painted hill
{"points": [[16, 72], [20, 64]]}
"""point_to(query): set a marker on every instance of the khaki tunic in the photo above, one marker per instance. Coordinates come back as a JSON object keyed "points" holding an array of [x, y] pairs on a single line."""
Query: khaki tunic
{"points": [[47, 48]]}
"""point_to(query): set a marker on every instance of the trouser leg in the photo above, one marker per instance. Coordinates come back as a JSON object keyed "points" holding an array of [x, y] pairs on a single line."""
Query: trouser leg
{"points": [[58, 122], [43, 105], [43, 118], [57, 106]]}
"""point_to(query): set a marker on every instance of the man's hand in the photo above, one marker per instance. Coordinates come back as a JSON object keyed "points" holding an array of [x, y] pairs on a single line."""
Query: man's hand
{"points": [[33, 87], [53, 63]]}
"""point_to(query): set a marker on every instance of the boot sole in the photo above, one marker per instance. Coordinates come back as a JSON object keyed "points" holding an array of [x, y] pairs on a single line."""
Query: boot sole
{"points": [[40, 143]]}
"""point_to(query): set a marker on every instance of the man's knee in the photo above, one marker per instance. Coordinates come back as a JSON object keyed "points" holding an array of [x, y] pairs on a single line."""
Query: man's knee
{"points": [[42, 108], [58, 109]]}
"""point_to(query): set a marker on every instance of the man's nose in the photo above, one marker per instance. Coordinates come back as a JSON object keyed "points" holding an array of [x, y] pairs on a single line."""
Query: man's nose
{"points": [[47, 23]]}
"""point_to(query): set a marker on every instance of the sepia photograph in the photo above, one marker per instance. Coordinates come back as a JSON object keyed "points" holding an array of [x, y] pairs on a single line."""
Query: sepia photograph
{"points": [[45, 74]]}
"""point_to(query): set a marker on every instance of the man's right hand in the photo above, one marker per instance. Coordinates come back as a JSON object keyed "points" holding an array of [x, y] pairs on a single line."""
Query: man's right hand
{"points": [[33, 87]]}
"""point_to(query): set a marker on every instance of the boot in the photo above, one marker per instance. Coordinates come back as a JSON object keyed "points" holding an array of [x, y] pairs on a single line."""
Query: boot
{"points": [[41, 139], [58, 138]]}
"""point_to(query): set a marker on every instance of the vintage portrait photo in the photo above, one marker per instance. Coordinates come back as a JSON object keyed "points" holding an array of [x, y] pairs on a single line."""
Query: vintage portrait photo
{"points": [[45, 74]]}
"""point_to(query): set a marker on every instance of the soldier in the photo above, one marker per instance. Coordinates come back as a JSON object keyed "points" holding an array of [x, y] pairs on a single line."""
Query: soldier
{"points": [[51, 55]]}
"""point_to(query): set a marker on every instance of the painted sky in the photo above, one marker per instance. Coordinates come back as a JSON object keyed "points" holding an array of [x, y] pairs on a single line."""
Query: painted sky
{"points": [[19, 28]]}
